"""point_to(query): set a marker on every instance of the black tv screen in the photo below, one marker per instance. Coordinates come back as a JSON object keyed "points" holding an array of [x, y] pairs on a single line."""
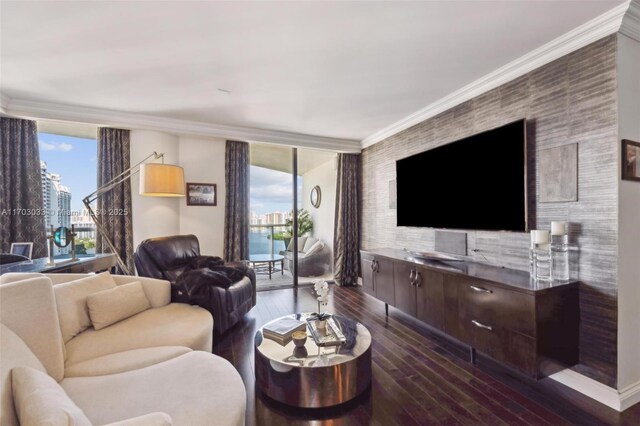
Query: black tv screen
{"points": [[476, 183]]}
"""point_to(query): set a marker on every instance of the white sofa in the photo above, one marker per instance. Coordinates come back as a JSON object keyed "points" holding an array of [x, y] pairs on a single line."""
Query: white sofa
{"points": [[153, 368]]}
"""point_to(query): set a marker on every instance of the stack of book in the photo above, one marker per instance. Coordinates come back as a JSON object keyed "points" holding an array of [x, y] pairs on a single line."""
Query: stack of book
{"points": [[281, 331]]}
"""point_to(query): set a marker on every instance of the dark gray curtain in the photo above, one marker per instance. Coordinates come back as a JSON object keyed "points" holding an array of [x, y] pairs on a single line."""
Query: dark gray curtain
{"points": [[236, 218], [21, 202], [346, 235], [114, 207]]}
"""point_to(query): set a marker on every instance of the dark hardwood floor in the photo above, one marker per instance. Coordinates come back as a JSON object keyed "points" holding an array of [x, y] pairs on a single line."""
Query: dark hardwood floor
{"points": [[419, 376]]}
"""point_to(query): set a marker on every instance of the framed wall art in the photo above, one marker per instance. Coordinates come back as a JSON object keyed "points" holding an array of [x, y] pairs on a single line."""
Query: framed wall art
{"points": [[201, 194], [630, 160]]}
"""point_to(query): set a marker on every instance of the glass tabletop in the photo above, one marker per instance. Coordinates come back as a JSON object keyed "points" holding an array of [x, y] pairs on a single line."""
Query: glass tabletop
{"points": [[358, 341], [265, 257]]}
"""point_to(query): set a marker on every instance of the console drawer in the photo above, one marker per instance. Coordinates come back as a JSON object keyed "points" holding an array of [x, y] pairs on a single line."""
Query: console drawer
{"points": [[497, 306], [510, 347]]}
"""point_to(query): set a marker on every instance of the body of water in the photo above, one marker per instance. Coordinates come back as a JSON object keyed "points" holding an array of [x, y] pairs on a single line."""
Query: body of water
{"points": [[260, 244]]}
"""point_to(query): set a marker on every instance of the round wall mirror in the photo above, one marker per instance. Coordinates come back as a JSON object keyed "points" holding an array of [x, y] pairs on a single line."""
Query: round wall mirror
{"points": [[62, 237], [316, 195]]}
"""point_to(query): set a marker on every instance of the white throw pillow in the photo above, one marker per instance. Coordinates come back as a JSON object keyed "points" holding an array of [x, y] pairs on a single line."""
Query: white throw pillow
{"points": [[110, 306], [71, 300], [308, 244], [319, 245], [40, 400], [301, 241]]}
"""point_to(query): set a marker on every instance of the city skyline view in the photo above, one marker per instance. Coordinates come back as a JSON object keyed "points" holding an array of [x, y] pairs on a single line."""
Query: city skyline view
{"points": [[270, 191], [75, 160]]}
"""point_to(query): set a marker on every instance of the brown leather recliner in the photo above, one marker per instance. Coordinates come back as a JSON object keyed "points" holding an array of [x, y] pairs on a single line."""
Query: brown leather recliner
{"points": [[167, 258]]}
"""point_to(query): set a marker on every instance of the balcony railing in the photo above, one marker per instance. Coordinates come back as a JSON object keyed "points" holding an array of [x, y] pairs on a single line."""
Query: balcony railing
{"points": [[262, 241]]}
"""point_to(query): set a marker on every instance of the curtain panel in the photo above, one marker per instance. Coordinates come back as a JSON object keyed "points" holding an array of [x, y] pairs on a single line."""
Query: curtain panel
{"points": [[114, 207], [236, 219], [22, 213], [346, 235]]}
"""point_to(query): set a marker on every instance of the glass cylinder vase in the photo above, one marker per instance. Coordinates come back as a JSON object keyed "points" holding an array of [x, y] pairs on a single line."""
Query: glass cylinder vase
{"points": [[532, 260], [560, 257], [543, 262]]}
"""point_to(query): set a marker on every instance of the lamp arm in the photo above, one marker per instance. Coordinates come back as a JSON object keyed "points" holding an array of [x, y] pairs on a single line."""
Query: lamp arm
{"points": [[106, 188], [120, 178], [104, 236]]}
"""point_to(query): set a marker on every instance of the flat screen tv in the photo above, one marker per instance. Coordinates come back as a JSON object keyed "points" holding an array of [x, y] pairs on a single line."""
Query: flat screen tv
{"points": [[476, 183]]}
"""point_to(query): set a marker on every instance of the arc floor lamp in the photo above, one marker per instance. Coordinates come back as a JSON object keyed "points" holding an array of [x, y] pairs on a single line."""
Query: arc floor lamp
{"points": [[156, 180]]}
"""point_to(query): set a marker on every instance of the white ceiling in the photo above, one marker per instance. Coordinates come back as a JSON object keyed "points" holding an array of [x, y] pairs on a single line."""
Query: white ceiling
{"points": [[334, 69]]}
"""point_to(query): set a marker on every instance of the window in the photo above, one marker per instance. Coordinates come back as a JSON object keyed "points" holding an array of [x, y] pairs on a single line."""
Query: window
{"points": [[68, 172]]}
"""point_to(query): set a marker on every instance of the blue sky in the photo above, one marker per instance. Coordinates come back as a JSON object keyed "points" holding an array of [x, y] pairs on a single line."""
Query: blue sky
{"points": [[75, 159], [271, 191]]}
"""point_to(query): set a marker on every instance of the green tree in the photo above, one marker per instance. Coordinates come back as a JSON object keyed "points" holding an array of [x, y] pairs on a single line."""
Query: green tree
{"points": [[305, 223]]}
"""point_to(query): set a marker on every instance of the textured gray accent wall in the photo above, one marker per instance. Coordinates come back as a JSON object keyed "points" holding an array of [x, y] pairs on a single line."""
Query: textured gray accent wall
{"points": [[571, 100]]}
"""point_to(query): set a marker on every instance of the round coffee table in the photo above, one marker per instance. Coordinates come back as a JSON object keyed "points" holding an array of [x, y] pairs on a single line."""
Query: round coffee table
{"points": [[269, 259], [315, 376]]}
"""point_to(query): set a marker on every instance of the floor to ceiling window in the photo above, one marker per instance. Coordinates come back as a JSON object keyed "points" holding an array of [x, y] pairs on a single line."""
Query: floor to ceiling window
{"points": [[271, 206], [317, 172], [68, 173], [271, 238]]}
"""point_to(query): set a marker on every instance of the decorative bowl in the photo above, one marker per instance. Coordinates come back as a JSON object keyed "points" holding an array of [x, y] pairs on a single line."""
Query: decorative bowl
{"points": [[299, 338]]}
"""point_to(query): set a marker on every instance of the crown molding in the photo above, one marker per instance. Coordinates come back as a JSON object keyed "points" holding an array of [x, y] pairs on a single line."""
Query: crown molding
{"points": [[4, 103], [631, 21], [606, 24], [110, 118]]}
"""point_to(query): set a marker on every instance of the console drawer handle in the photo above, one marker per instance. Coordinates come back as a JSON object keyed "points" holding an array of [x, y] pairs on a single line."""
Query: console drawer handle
{"points": [[412, 279], [481, 325], [480, 289], [418, 279]]}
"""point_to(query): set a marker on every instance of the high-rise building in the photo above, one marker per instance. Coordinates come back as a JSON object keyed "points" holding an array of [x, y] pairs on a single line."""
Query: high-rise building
{"points": [[275, 218], [57, 202]]}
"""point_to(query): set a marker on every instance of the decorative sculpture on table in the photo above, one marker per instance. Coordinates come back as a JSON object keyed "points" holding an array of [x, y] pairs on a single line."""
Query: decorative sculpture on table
{"points": [[322, 290], [62, 237]]}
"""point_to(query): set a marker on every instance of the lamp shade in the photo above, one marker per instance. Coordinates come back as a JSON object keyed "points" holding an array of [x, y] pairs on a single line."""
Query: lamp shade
{"points": [[161, 180]]}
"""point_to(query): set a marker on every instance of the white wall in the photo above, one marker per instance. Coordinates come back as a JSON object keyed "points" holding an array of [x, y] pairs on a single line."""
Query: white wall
{"points": [[203, 162], [153, 216], [323, 217], [628, 218]]}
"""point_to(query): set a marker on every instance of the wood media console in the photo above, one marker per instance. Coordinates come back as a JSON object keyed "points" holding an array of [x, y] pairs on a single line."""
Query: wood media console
{"points": [[527, 325]]}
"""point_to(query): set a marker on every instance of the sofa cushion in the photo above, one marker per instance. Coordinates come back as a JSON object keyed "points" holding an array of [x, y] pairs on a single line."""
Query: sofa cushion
{"points": [[316, 248], [13, 353], [110, 306], [124, 361], [176, 324], [40, 400], [308, 244], [151, 419], [196, 388], [301, 241], [71, 300], [28, 308]]}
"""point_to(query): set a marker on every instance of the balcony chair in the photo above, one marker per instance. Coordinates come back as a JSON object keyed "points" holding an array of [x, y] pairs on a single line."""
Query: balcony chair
{"points": [[314, 257]]}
